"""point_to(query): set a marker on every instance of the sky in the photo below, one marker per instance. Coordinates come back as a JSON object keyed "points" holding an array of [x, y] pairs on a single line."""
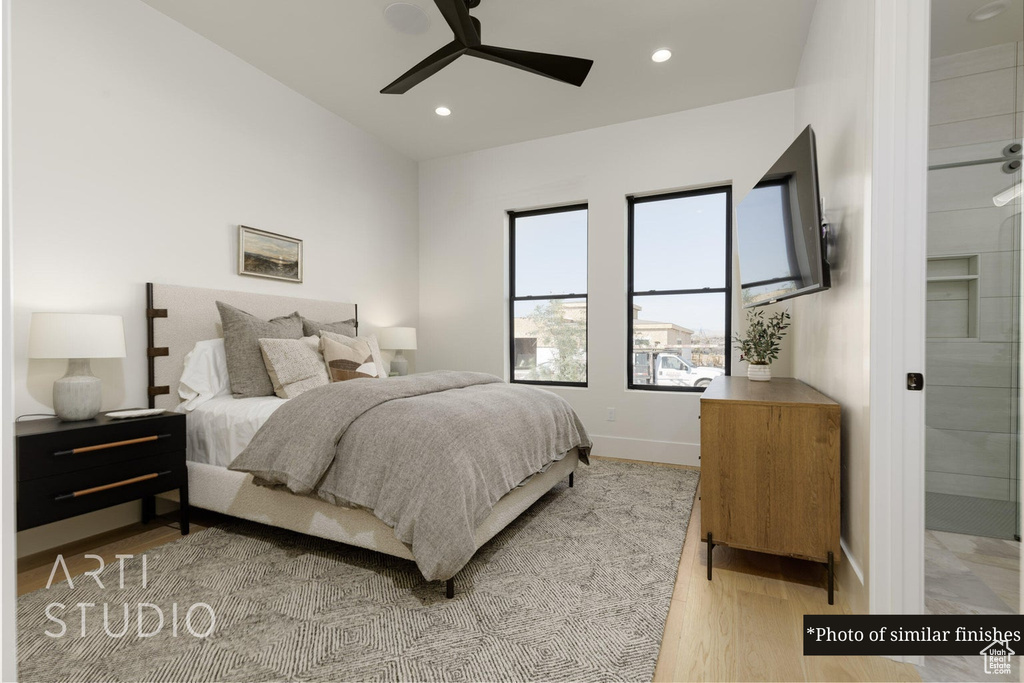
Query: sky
{"points": [[270, 246], [551, 254], [762, 233], [673, 241]]}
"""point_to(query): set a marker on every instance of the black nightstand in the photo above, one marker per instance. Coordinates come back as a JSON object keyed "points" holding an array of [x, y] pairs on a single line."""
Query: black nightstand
{"points": [[70, 468]]}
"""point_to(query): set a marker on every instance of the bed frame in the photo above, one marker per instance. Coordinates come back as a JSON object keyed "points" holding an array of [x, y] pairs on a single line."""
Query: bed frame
{"points": [[178, 317]]}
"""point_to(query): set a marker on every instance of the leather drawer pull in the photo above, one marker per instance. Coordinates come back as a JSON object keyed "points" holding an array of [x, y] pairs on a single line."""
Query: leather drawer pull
{"points": [[105, 487], [113, 444]]}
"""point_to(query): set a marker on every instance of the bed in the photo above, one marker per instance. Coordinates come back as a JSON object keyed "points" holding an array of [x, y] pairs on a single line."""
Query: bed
{"points": [[179, 317]]}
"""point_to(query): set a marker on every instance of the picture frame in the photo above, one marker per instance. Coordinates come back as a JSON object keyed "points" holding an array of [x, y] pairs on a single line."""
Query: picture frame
{"points": [[269, 255]]}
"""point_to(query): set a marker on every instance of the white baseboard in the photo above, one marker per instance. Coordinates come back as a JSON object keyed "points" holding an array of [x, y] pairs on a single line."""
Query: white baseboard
{"points": [[850, 580], [647, 450]]}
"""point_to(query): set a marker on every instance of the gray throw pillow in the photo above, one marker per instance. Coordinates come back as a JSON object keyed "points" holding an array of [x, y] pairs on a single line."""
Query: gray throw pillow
{"points": [[242, 332], [343, 327]]}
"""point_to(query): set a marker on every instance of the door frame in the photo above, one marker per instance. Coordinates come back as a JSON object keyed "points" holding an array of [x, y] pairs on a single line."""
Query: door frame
{"points": [[897, 314], [8, 534]]}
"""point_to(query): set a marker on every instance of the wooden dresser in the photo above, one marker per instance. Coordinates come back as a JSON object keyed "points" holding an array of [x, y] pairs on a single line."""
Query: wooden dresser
{"points": [[770, 469]]}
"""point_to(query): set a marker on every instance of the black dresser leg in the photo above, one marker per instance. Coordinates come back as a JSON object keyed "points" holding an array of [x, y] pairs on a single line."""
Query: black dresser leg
{"points": [[711, 546], [570, 479], [148, 509], [831, 578], [449, 589], [183, 510]]}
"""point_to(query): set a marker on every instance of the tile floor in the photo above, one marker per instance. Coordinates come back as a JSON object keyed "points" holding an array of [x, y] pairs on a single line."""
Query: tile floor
{"points": [[968, 575]]}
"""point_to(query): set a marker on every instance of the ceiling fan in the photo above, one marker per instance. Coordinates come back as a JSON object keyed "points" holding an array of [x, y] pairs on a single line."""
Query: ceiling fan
{"points": [[467, 41]]}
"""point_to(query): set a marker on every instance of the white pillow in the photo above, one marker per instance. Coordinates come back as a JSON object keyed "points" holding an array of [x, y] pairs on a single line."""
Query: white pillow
{"points": [[205, 375]]}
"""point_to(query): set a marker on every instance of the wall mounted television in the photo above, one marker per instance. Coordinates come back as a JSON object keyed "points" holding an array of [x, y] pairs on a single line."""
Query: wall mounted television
{"points": [[780, 234]]}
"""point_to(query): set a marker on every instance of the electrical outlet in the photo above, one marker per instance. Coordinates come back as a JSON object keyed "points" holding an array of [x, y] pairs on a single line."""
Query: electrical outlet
{"points": [[611, 415]]}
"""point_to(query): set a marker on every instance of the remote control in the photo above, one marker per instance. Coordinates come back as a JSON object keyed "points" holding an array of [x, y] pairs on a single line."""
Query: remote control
{"points": [[140, 412]]}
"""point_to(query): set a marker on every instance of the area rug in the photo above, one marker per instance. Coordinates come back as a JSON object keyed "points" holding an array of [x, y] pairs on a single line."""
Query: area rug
{"points": [[576, 589]]}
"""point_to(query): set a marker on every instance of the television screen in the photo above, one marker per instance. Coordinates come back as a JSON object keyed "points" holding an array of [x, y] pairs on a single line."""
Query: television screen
{"points": [[779, 232]]}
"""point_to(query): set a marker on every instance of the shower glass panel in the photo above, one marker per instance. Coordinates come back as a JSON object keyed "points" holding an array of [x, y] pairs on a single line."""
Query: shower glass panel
{"points": [[972, 383]]}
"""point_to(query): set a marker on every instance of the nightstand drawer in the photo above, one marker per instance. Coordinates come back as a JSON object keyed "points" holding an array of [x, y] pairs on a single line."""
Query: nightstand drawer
{"points": [[71, 450], [48, 499]]}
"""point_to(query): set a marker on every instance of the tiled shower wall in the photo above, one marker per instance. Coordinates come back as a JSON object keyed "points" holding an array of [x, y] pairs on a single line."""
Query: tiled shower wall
{"points": [[977, 107]]}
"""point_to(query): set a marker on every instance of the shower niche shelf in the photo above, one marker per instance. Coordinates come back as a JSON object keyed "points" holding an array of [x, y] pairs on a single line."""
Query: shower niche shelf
{"points": [[953, 298]]}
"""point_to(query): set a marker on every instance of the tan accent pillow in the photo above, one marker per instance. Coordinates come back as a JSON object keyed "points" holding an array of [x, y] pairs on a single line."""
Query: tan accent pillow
{"points": [[347, 360], [294, 365], [370, 340]]}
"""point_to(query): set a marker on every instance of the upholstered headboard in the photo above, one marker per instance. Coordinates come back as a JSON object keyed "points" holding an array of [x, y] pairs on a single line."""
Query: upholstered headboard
{"points": [[178, 317]]}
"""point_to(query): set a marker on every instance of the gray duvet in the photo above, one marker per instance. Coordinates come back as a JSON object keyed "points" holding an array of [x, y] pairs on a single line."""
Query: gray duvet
{"points": [[429, 454]]}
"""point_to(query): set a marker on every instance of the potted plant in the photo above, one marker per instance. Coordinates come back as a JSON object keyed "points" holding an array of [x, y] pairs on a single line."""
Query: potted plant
{"points": [[761, 345]]}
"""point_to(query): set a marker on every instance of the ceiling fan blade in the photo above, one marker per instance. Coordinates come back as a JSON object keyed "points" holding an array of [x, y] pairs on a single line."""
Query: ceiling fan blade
{"points": [[571, 70], [456, 14], [425, 69]]}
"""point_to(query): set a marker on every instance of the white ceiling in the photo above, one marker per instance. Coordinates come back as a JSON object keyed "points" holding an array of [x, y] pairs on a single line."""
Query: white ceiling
{"points": [[340, 53], [953, 32]]}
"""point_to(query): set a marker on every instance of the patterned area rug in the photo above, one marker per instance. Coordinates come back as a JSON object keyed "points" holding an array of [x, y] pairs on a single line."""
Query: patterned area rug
{"points": [[576, 589]]}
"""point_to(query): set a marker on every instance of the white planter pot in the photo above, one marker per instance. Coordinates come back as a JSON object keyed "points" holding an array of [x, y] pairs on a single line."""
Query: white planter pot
{"points": [[759, 373]]}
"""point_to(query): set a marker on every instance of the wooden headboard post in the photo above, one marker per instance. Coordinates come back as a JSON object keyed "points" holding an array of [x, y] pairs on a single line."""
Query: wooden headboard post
{"points": [[152, 351]]}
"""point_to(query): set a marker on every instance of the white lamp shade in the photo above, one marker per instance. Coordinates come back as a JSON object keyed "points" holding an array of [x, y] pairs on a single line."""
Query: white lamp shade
{"points": [[76, 335], [397, 338]]}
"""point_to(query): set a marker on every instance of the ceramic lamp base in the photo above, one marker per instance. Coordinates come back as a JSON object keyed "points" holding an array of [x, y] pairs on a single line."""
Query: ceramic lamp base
{"points": [[759, 373], [77, 395], [400, 364]]}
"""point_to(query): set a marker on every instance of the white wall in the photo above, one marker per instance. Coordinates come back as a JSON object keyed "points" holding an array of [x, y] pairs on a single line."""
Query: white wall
{"points": [[464, 249], [831, 329], [139, 146]]}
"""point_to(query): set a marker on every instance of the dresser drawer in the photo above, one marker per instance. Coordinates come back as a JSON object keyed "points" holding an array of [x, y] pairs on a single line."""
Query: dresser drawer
{"points": [[73, 450], [47, 499]]}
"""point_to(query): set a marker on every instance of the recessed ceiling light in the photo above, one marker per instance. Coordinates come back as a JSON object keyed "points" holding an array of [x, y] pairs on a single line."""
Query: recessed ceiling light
{"points": [[989, 10], [443, 111], [662, 55], [407, 18]]}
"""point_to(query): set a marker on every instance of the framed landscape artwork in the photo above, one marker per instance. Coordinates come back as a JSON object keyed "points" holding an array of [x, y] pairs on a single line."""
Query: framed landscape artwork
{"points": [[266, 254]]}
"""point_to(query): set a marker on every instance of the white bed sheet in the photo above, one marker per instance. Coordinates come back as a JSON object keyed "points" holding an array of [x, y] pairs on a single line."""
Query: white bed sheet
{"points": [[219, 429]]}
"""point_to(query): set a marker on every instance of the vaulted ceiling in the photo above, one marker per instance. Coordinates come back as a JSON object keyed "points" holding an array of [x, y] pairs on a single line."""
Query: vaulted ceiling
{"points": [[340, 53]]}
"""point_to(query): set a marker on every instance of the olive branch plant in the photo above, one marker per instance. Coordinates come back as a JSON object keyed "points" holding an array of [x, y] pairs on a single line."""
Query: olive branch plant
{"points": [[761, 344]]}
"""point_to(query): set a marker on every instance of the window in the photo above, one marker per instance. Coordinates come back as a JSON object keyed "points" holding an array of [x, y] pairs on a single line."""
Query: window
{"points": [[548, 287], [767, 223], [679, 289]]}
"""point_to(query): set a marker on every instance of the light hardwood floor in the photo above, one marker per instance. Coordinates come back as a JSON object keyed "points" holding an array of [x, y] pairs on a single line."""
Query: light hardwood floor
{"points": [[34, 570], [744, 625]]}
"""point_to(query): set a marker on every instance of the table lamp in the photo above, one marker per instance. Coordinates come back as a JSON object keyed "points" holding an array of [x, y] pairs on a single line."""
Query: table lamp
{"points": [[396, 339], [78, 337]]}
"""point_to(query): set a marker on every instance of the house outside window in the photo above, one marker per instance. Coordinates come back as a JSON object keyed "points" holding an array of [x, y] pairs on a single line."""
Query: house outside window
{"points": [[548, 292]]}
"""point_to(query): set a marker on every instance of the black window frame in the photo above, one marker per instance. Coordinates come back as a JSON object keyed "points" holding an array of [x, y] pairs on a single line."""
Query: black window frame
{"points": [[512, 216], [632, 201]]}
